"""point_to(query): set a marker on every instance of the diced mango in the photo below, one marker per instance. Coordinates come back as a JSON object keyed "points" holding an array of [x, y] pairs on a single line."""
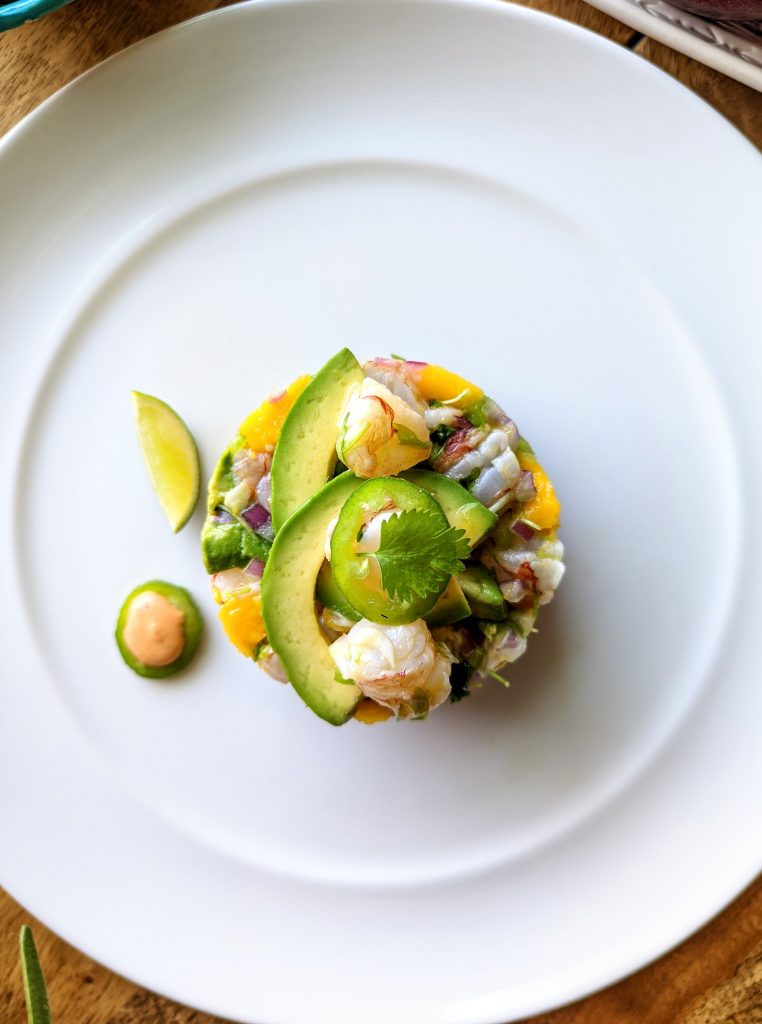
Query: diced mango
{"points": [[439, 385], [261, 428], [370, 713], [241, 617], [544, 510]]}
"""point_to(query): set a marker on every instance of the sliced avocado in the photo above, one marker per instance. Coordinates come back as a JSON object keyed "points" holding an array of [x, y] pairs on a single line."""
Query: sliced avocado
{"points": [[452, 606], [462, 510], [230, 546], [305, 455], [192, 629], [288, 604], [482, 592]]}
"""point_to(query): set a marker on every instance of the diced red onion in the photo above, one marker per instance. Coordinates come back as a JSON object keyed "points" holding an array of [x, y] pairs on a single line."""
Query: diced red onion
{"points": [[525, 489], [221, 515], [255, 567], [524, 530], [264, 491], [509, 644], [510, 640], [256, 516]]}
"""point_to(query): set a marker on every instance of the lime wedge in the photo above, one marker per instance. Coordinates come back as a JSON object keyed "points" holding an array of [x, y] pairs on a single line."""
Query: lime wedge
{"points": [[171, 456]]}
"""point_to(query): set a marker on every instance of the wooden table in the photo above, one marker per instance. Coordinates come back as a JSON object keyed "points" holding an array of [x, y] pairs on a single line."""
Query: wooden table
{"points": [[713, 978]]}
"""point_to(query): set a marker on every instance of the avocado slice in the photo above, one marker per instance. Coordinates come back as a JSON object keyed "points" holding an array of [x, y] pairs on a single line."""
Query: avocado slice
{"points": [[288, 603], [305, 455], [462, 510], [482, 592], [451, 606]]}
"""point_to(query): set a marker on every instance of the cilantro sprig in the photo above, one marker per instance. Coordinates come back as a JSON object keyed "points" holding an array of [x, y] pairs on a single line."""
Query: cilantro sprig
{"points": [[417, 554]]}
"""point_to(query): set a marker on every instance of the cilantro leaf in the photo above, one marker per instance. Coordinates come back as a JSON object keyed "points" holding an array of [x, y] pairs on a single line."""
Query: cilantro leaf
{"points": [[418, 554], [406, 436]]}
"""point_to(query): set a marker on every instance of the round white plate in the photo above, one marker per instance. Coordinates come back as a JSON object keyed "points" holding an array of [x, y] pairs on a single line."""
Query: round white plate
{"points": [[218, 210]]}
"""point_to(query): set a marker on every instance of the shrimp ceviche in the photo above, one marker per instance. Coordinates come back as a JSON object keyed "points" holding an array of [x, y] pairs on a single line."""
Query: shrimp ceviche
{"points": [[381, 537]]}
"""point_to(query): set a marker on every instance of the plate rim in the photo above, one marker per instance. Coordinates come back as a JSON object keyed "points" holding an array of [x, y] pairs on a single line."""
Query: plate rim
{"points": [[509, 10]]}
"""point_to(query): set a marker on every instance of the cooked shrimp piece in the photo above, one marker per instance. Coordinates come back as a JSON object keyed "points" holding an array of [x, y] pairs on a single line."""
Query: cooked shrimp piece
{"points": [[399, 667], [251, 466], [444, 416], [269, 661], [233, 581], [505, 645], [380, 434], [533, 567], [249, 470], [399, 378], [334, 624], [485, 452]]}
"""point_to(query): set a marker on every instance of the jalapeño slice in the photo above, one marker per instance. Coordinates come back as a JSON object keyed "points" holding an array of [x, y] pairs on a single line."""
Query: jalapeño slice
{"points": [[355, 537]]}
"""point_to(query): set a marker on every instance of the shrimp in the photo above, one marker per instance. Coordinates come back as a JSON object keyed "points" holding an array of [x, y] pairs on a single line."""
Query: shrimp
{"points": [[399, 667], [485, 452], [233, 581], [248, 470], [398, 377], [380, 434], [334, 624], [458, 446], [526, 568], [251, 466], [270, 663], [445, 416]]}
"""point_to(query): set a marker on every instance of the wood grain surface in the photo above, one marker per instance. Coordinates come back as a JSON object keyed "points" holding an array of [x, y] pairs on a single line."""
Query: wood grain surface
{"points": [[713, 978]]}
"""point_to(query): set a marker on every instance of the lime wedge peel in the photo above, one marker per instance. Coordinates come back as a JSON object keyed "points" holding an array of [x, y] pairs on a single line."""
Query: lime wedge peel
{"points": [[170, 455]]}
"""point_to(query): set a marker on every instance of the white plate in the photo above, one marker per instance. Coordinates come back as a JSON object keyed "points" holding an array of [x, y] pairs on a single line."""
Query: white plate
{"points": [[218, 210]]}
